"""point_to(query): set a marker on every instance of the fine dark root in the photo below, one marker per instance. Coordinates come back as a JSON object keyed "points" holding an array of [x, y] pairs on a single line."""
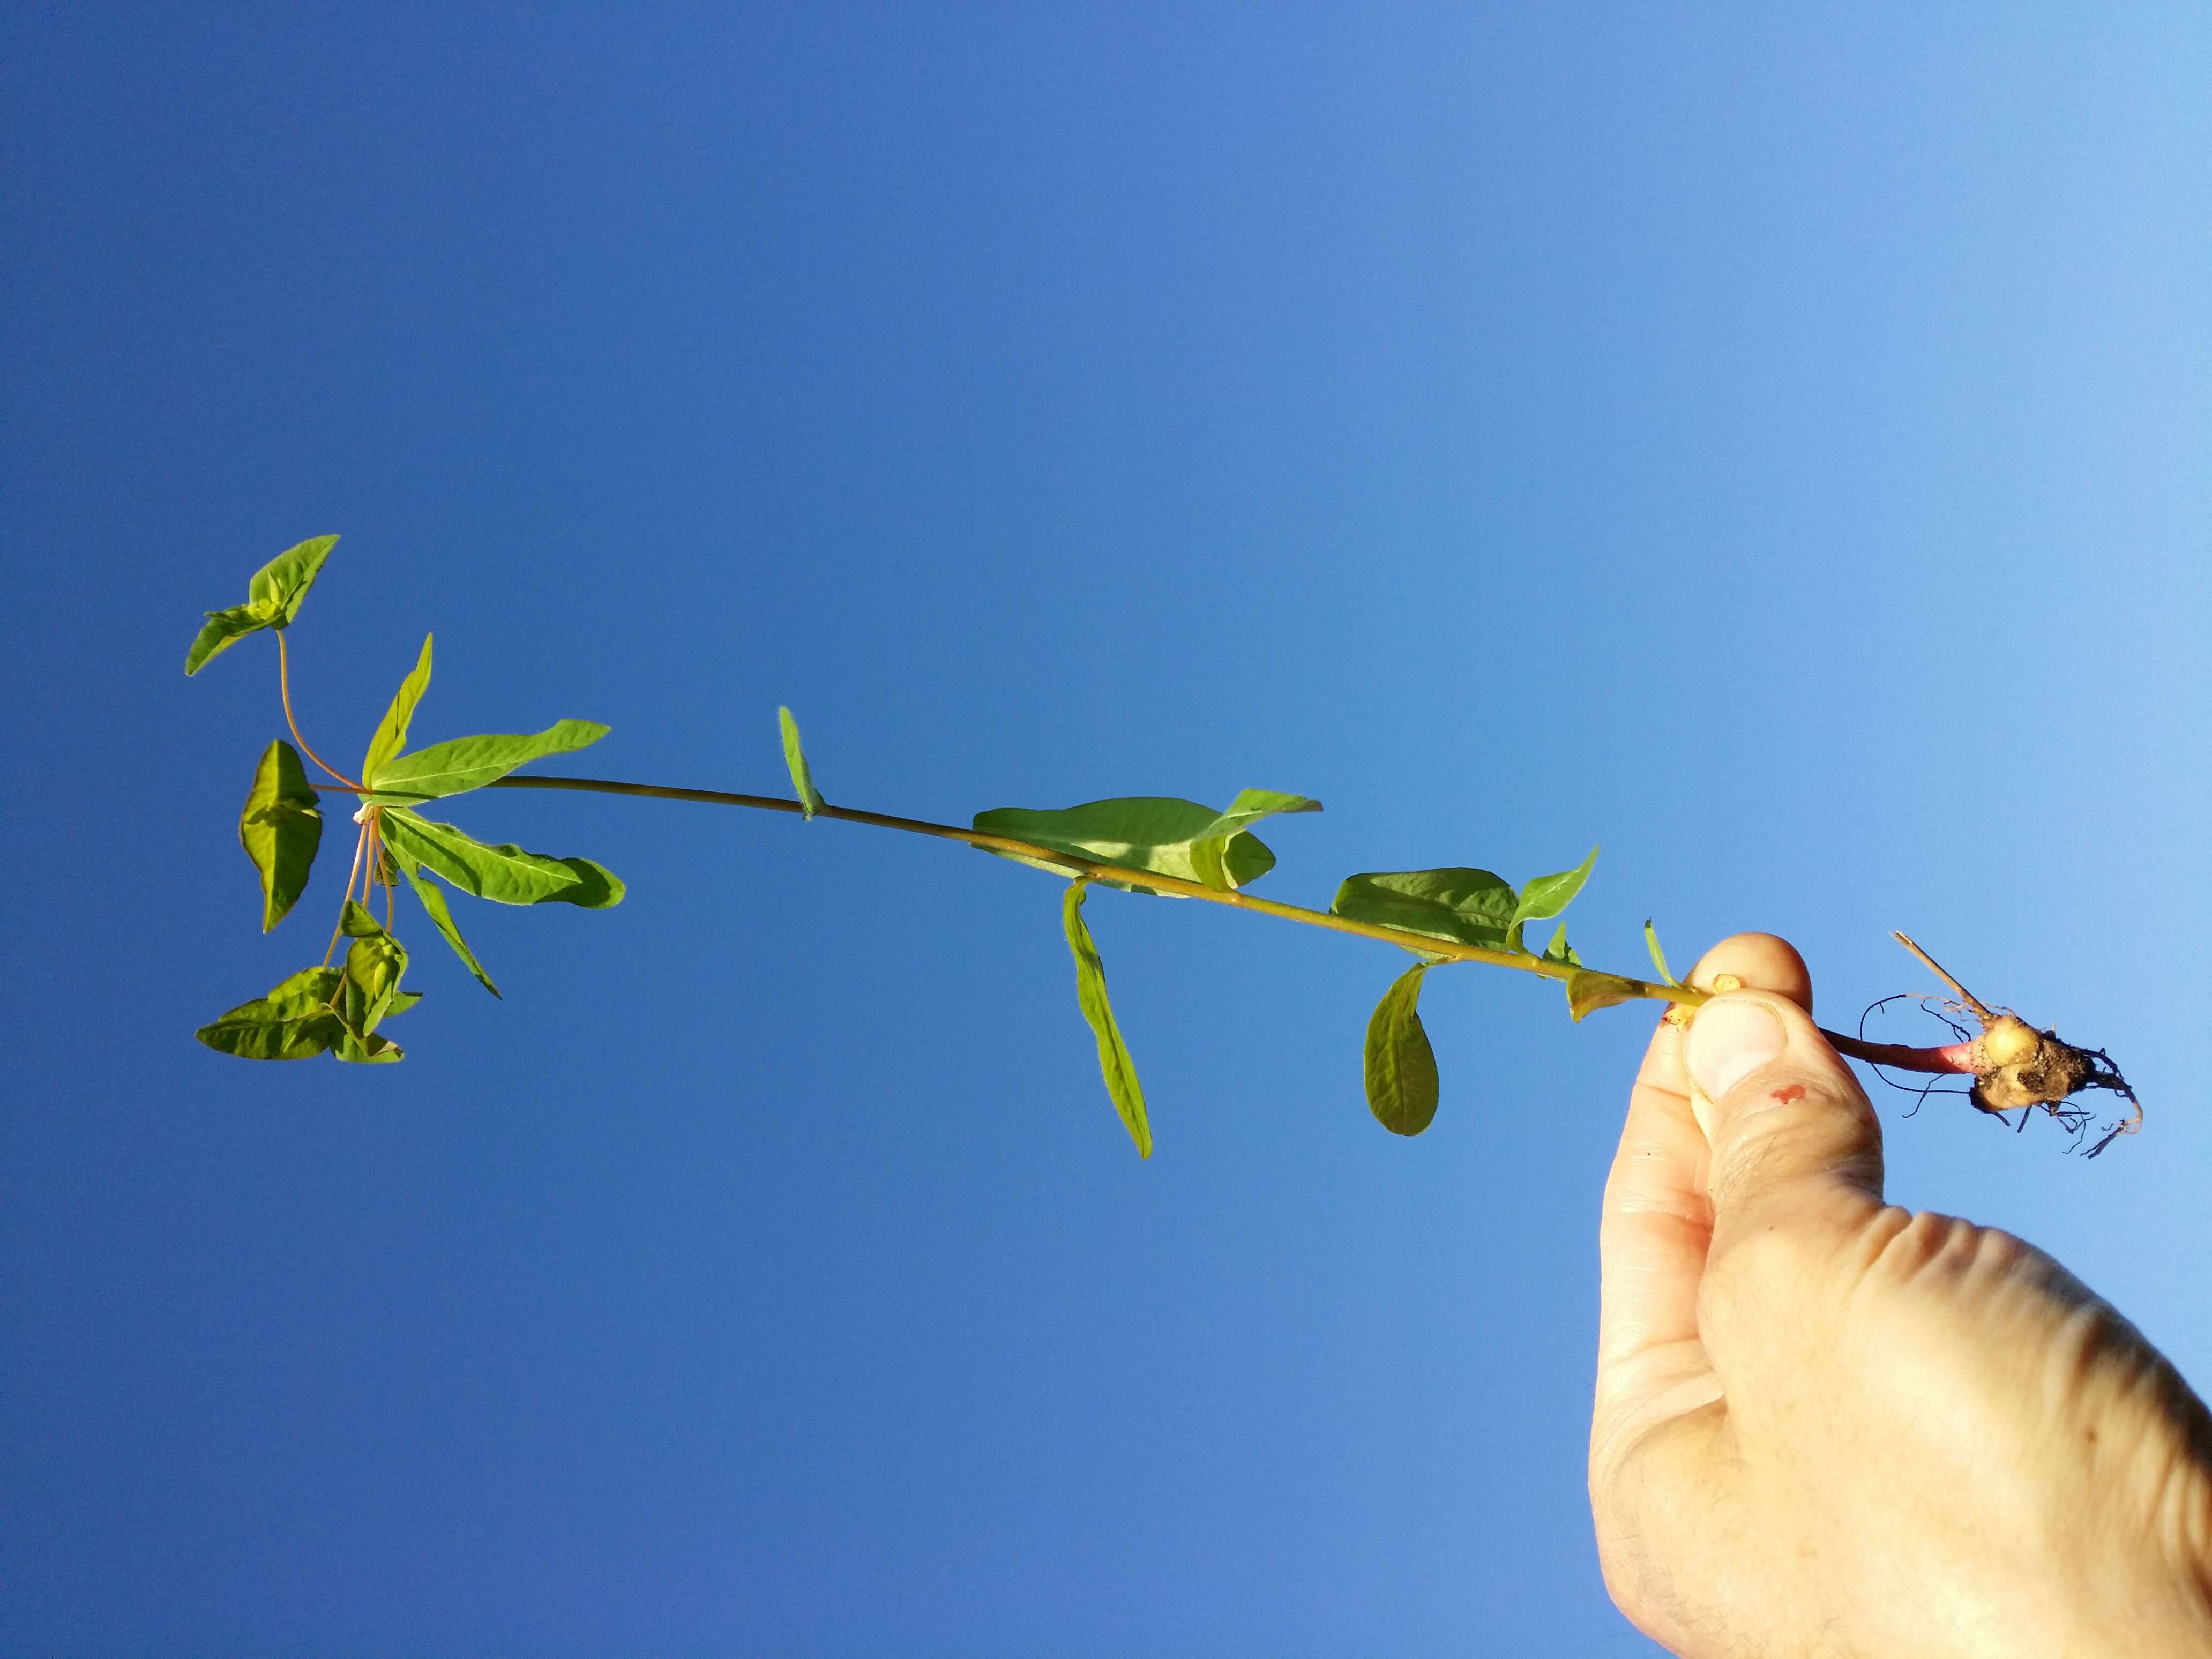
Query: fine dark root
{"points": [[1919, 1091], [2103, 1074]]}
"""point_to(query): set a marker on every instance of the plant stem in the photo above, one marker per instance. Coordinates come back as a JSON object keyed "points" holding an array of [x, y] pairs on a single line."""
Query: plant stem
{"points": [[1950, 1058], [1450, 950], [285, 686], [1955, 1057]]}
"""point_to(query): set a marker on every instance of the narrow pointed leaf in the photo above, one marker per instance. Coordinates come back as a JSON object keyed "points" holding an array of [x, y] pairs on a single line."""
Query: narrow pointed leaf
{"points": [[1588, 991], [1547, 896], [1560, 950], [391, 731], [460, 764], [1115, 1063], [505, 874], [1159, 833], [802, 775], [221, 629], [1400, 1065], [441, 918], [279, 586], [1469, 906], [1658, 955], [280, 829]]}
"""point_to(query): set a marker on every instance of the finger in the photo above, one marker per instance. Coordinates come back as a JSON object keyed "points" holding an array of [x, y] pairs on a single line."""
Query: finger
{"points": [[1794, 1142], [1657, 1221]]}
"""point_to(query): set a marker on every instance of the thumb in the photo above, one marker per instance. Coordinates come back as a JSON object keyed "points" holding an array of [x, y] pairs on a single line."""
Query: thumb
{"points": [[1792, 1135]]}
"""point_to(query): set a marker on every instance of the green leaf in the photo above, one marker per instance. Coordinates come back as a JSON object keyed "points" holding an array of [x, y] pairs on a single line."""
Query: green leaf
{"points": [[279, 586], [504, 874], [802, 775], [280, 829], [391, 731], [1212, 854], [293, 1022], [441, 918], [1547, 896], [1115, 1064], [1588, 991], [1470, 906], [1158, 833], [1658, 955], [221, 629], [374, 967], [305, 992], [273, 598], [265, 1039], [356, 922], [461, 764], [1400, 1065], [375, 1049], [1560, 950]]}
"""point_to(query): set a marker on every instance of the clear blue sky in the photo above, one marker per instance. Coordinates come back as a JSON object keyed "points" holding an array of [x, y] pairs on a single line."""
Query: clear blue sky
{"points": [[1776, 445]]}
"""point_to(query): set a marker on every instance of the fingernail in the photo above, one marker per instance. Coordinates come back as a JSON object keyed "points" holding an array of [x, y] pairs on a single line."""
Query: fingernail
{"points": [[1730, 1038]]}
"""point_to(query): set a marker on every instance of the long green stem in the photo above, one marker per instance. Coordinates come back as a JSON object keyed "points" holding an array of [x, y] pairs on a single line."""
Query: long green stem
{"points": [[1952, 1059], [1450, 950]]}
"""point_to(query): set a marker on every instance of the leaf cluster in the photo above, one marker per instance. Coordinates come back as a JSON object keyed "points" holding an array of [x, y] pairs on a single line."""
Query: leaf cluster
{"points": [[336, 1009]]}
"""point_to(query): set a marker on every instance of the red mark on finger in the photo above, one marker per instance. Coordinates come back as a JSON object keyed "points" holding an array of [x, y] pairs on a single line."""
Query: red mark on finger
{"points": [[1795, 1091]]}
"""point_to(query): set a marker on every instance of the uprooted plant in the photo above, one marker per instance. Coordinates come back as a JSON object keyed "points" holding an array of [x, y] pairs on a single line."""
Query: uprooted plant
{"points": [[1145, 844]]}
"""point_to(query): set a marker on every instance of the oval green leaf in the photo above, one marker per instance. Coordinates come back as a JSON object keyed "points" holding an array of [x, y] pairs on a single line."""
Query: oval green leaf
{"points": [[280, 827], [1469, 906], [1401, 1067], [1158, 833], [1115, 1064]]}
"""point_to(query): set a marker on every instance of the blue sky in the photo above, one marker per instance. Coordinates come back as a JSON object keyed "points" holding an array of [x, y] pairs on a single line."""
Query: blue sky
{"points": [[1774, 447]]}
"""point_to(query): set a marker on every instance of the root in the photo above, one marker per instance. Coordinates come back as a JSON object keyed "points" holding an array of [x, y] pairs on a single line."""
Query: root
{"points": [[2013, 1066]]}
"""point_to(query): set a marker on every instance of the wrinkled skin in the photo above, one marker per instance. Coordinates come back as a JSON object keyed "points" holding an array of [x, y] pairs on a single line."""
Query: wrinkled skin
{"points": [[1825, 1425]]}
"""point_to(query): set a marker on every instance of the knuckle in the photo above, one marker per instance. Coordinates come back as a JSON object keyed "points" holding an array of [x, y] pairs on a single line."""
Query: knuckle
{"points": [[1925, 1244]]}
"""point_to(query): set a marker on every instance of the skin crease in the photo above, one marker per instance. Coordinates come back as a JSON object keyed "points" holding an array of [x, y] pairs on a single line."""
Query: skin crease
{"points": [[1826, 1426]]}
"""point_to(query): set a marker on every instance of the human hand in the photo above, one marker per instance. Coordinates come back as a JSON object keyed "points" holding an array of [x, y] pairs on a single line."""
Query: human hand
{"points": [[1826, 1426]]}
